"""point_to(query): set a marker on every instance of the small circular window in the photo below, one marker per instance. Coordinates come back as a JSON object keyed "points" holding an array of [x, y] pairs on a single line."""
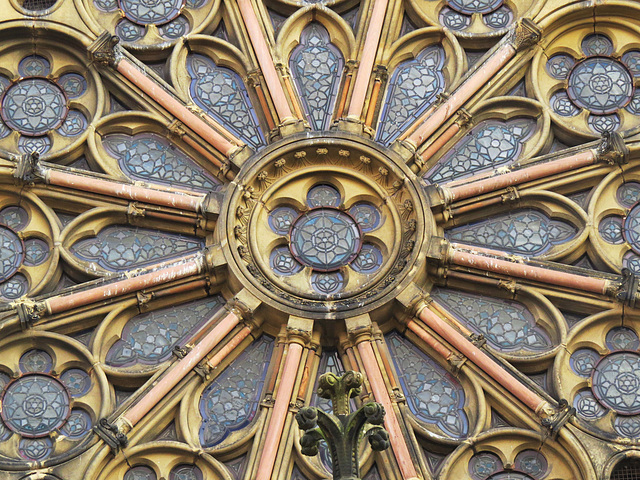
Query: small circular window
{"points": [[628, 469], [37, 5]]}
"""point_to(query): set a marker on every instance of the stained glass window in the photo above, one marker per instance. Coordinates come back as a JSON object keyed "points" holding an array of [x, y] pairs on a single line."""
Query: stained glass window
{"points": [[433, 395], [150, 157], [121, 247], [491, 144], [413, 87], [222, 94], [149, 338], [527, 232], [34, 106], [230, 402], [507, 325], [316, 66]]}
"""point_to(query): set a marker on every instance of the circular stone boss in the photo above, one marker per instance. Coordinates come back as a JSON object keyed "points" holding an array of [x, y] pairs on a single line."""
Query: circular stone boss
{"points": [[34, 106], [35, 405]]}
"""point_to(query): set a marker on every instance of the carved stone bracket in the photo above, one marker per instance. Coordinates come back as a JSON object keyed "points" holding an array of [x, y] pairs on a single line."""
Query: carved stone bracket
{"points": [[612, 149], [561, 416], [28, 169], [111, 435], [30, 312], [627, 291], [105, 50], [525, 34]]}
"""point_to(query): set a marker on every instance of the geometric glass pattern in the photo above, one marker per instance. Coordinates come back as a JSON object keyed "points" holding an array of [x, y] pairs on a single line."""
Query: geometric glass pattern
{"points": [[327, 283], [600, 84], [469, 7], [528, 465], [149, 338], [185, 472], [507, 325], [120, 247], [35, 405], [325, 239], [144, 12], [222, 94], [527, 232], [587, 406], [78, 424], [323, 195], [150, 157], [316, 66], [140, 472], [281, 219], [491, 144], [631, 229], [616, 382], [36, 361], [11, 253], [36, 251], [413, 87], [622, 338], [35, 449], [77, 381], [34, 106], [283, 263], [433, 394], [230, 402], [596, 44], [34, 66]]}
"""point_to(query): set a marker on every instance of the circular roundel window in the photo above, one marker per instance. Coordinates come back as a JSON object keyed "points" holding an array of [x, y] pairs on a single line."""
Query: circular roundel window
{"points": [[307, 242]]}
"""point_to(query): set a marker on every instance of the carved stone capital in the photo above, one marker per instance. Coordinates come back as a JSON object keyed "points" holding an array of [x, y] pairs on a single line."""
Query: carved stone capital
{"points": [[30, 312], [105, 50], [28, 170], [612, 149], [525, 34]]}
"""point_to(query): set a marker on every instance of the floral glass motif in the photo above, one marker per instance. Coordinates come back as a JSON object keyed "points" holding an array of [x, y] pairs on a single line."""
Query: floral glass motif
{"points": [[222, 94], [185, 472], [140, 472], [616, 229], [120, 247], [526, 232], [457, 14], [528, 465], [507, 325], [615, 381], [149, 338], [230, 402], [433, 395], [413, 87], [325, 238], [18, 251], [150, 157], [35, 405], [599, 83], [147, 12], [316, 66], [34, 106], [491, 144], [39, 403]]}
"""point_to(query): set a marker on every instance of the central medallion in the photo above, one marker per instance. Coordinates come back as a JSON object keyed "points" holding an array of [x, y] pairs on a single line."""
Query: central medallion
{"points": [[325, 239], [326, 225]]}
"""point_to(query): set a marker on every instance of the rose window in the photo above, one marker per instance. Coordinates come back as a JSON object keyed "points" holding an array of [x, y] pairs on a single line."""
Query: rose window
{"points": [[41, 405], [614, 381], [42, 105], [326, 238], [624, 230], [597, 81]]}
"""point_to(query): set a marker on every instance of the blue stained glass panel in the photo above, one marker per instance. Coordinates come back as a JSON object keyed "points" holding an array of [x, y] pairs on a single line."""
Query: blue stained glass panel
{"points": [[221, 93], [230, 402], [121, 247], [491, 144], [149, 338], [413, 87], [150, 157], [433, 394], [526, 232], [316, 66], [628, 194], [507, 325]]}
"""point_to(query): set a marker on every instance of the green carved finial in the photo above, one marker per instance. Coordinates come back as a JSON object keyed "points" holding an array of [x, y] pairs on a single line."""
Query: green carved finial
{"points": [[343, 430]]}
